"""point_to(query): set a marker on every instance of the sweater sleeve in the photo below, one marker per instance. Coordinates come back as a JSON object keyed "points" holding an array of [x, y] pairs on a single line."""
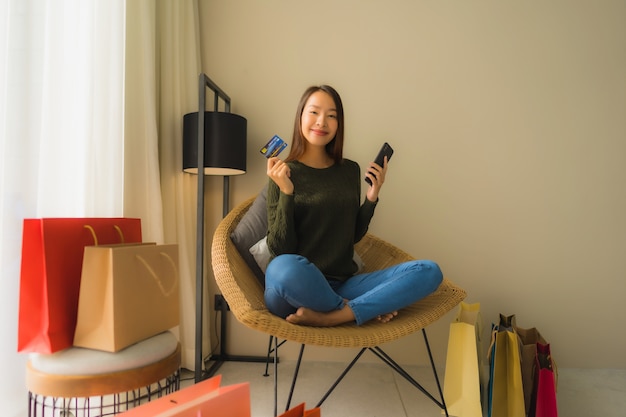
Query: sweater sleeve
{"points": [[364, 217], [281, 231], [365, 213]]}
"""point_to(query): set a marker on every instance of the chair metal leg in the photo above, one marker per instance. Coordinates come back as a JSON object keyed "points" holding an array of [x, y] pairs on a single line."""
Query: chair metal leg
{"points": [[295, 377], [275, 377], [275, 360], [338, 380], [380, 353], [432, 364], [391, 363], [269, 354]]}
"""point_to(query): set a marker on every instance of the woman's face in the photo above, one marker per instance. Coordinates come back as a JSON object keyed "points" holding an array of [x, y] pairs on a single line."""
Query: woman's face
{"points": [[319, 119]]}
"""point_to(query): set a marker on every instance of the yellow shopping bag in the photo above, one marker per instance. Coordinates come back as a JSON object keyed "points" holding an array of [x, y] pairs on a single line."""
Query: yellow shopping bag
{"points": [[461, 387], [506, 392]]}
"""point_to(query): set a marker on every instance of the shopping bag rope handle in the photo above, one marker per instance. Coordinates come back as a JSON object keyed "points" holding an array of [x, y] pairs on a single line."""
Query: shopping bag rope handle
{"points": [[154, 275], [93, 233], [95, 237], [555, 371], [494, 332], [119, 232], [497, 329], [506, 324]]}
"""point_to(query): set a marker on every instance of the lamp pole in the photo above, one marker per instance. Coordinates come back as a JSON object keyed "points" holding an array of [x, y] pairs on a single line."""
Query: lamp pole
{"points": [[200, 231], [227, 146], [203, 83]]}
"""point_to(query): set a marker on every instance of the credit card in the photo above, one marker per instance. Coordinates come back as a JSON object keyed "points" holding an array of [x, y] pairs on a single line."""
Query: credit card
{"points": [[274, 147]]}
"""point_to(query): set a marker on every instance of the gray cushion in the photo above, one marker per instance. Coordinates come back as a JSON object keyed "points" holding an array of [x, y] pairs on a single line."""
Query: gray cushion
{"points": [[251, 228], [81, 361]]}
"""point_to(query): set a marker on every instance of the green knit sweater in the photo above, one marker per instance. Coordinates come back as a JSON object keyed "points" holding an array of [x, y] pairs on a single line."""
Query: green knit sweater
{"points": [[322, 219]]}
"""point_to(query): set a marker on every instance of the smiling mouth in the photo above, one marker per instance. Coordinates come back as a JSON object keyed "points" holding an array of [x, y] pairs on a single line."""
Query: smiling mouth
{"points": [[319, 132]]}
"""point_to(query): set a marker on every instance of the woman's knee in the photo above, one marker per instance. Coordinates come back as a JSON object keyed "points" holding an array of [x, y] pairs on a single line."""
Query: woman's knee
{"points": [[430, 275], [277, 304], [284, 268]]}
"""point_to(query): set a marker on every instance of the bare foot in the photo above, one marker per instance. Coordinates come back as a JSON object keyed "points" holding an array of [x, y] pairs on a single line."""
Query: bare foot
{"points": [[386, 318], [308, 317]]}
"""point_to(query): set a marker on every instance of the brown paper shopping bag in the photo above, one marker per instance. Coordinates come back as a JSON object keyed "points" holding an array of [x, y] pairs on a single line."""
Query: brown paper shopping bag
{"points": [[128, 293], [52, 258], [529, 339], [461, 387]]}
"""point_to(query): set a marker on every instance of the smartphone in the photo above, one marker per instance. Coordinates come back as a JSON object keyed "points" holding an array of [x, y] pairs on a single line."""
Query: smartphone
{"points": [[387, 151]]}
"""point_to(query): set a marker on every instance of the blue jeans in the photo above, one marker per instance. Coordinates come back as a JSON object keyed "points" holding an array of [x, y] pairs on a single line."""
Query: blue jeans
{"points": [[291, 281]]}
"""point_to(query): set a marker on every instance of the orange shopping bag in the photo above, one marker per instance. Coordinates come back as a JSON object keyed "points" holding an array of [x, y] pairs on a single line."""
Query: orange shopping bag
{"points": [[52, 258], [299, 411], [203, 399]]}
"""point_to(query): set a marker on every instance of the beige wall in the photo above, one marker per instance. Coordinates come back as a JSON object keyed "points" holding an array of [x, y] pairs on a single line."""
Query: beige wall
{"points": [[508, 121]]}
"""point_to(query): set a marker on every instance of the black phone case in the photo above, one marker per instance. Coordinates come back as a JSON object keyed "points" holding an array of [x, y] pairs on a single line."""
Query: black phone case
{"points": [[385, 150]]}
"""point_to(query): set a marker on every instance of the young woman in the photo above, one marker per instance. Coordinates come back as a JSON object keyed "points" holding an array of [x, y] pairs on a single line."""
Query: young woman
{"points": [[315, 217]]}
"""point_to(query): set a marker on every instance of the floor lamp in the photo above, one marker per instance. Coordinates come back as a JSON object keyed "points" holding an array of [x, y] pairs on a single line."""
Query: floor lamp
{"points": [[216, 141]]}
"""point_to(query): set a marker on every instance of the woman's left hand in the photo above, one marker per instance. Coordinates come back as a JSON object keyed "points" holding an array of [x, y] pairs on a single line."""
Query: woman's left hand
{"points": [[376, 174]]}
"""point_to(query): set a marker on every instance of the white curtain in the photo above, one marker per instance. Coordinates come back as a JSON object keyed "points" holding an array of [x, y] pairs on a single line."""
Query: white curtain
{"points": [[83, 134], [61, 135], [163, 64]]}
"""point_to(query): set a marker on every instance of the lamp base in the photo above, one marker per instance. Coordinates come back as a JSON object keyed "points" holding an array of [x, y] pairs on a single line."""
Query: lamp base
{"points": [[218, 360]]}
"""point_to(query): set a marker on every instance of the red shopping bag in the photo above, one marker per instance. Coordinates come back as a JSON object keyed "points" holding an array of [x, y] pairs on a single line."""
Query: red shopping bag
{"points": [[52, 257], [203, 399], [544, 393]]}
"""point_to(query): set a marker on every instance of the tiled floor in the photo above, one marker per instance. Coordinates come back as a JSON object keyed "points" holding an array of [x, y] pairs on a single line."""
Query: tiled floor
{"points": [[374, 390]]}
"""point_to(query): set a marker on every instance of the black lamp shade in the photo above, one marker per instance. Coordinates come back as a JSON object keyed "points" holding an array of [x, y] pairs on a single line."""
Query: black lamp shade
{"points": [[224, 143]]}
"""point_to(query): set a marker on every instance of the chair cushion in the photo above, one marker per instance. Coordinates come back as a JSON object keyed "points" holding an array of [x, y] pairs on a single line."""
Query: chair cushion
{"points": [[251, 228], [81, 361], [262, 255]]}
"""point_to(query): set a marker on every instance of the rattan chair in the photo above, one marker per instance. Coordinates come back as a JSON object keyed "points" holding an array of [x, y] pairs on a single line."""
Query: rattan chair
{"points": [[244, 294]]}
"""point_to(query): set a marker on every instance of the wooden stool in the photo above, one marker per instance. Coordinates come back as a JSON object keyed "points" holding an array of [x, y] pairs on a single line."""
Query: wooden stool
{"points": [[86, 382]]}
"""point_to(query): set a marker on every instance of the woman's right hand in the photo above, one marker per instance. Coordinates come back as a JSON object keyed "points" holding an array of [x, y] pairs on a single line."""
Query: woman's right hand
{"points": [[279, 172]]}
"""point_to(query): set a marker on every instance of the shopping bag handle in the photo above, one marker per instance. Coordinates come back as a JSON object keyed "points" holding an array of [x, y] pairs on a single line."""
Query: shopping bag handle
{"points": [[95, 237], [156, 278], [553, 367], [478, 319], [506, 324], [492, 342]]}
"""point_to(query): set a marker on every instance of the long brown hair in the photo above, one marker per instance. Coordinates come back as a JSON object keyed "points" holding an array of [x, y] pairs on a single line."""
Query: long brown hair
{"points": [[334, 148]]}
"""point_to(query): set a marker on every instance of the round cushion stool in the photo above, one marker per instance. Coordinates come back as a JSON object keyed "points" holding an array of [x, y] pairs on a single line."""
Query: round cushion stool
{"points": [[86, 382]]}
